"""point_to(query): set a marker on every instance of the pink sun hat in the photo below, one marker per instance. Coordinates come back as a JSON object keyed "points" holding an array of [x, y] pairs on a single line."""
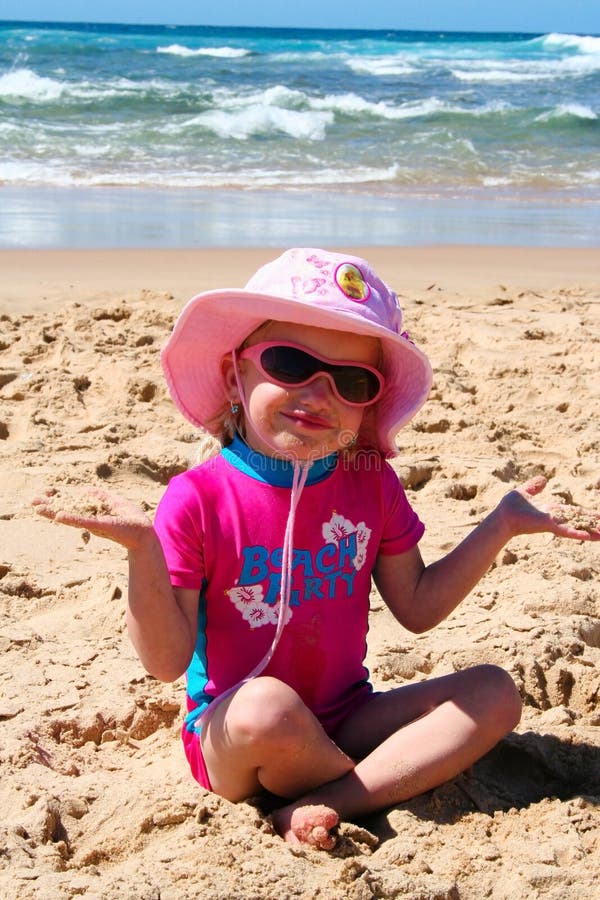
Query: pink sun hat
{"points": [[303, 286]]}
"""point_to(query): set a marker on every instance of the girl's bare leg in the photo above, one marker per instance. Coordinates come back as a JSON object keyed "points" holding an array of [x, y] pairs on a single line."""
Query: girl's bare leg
{"points": [[409, 741], [264, 737]]}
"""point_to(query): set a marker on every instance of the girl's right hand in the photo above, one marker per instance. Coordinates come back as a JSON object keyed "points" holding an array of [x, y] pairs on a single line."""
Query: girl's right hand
{"points": [[100, 512]]}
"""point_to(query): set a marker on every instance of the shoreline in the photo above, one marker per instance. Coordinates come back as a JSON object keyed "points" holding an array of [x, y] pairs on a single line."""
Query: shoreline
{"points": [[40, 217]]}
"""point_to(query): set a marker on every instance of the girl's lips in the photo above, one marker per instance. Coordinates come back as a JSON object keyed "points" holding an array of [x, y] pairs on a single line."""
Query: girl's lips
{"points": [[308, 420]]}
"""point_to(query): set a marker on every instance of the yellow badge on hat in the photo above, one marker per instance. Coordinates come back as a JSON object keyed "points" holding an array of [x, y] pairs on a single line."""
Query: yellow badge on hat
{"points": [[350, 281]]}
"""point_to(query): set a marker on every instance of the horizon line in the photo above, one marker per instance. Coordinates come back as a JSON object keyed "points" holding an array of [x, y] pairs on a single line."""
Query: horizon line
{"points": [[432, 31]]}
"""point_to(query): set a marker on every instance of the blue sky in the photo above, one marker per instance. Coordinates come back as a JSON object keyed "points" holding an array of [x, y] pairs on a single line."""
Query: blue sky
{"points": [[581, 16]]}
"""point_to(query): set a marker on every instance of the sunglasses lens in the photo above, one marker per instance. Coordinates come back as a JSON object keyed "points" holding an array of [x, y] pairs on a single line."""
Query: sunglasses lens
{"points": [[356, 384], [293, 366], [288, 364]]}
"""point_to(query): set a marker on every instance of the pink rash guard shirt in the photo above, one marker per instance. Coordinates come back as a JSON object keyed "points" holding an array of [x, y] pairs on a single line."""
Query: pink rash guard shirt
{"points": [[221, 527]]}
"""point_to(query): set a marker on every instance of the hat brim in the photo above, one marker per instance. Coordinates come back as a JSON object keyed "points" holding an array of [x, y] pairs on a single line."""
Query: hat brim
{"points": [[214, 323]]}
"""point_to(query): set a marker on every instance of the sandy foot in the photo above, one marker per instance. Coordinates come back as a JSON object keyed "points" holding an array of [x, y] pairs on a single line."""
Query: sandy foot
{"points": [[310, 825]]}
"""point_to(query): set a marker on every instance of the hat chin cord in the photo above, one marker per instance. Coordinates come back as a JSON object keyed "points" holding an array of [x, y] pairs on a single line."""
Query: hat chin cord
{"points": [[300, 474]]}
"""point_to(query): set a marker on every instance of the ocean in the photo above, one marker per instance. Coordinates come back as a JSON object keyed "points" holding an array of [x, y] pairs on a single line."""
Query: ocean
{"points": [[121, 135]]}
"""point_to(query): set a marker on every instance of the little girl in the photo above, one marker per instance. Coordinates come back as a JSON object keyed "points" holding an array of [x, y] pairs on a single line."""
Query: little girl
{"points": [[255, 578]]}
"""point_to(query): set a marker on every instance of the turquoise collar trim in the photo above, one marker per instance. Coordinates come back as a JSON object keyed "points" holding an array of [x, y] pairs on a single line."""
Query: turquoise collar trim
{"points": [[270, 470]]}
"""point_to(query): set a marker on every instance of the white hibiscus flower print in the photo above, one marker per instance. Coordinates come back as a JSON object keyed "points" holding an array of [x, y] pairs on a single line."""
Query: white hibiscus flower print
{"points": [[259, 614], [246, 596], [360, 559], [362, 542], [275, 610], [249, 601], [337, 528]]}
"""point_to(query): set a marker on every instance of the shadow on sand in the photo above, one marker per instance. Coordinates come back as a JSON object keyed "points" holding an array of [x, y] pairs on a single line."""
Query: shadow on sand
{"points": [[521, 770]]}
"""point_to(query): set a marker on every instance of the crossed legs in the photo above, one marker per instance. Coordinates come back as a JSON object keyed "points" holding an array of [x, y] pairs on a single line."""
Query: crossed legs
{"points": [[396, 746]]}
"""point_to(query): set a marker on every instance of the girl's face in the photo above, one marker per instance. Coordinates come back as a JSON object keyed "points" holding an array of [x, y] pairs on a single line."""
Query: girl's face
{"points": [[303, 422]]}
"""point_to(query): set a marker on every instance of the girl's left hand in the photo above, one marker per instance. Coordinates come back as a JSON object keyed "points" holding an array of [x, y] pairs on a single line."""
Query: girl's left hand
{"points": [[561, 519]]}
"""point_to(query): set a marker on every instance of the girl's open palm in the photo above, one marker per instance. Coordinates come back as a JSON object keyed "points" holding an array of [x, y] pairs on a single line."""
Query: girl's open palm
{"points": [[100, 512], [561, 519]]}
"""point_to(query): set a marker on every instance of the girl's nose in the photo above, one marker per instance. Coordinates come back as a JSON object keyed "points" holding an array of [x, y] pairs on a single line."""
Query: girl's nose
{"points": [[318, 391]]}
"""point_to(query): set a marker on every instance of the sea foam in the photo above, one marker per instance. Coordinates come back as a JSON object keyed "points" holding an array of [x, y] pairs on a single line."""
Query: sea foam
{"points": [[174, 107], [575, 42], [24, 84], [223, 52]]}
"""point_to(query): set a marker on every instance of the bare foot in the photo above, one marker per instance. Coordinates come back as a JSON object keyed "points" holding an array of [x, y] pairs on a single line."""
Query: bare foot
{"points": [[310, 825]]}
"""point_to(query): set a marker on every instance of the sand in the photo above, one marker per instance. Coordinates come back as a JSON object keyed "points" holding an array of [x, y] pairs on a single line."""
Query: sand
{"points": [[95, 794]]}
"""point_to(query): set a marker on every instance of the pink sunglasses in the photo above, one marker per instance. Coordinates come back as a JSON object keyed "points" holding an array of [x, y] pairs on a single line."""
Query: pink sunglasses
{"points": [[287, 364]]}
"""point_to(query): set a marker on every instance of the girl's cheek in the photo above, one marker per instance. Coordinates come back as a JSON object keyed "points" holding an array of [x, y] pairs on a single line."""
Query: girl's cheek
{"points": [[354, 419], [265, 398]]}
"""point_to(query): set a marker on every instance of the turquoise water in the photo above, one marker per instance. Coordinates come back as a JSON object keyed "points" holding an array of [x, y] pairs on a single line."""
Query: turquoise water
{"points": [[358, 122]]}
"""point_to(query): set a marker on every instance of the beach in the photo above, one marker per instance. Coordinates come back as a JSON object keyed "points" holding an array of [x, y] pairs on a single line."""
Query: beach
{"points": [[96, 795]]}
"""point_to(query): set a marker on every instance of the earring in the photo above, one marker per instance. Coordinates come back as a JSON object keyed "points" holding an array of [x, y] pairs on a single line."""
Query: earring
{"points": [[348, 439], [235, 408]]}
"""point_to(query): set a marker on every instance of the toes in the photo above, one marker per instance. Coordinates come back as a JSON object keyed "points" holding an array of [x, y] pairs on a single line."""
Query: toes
{"points": [[312, 824], [320, 837]]}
